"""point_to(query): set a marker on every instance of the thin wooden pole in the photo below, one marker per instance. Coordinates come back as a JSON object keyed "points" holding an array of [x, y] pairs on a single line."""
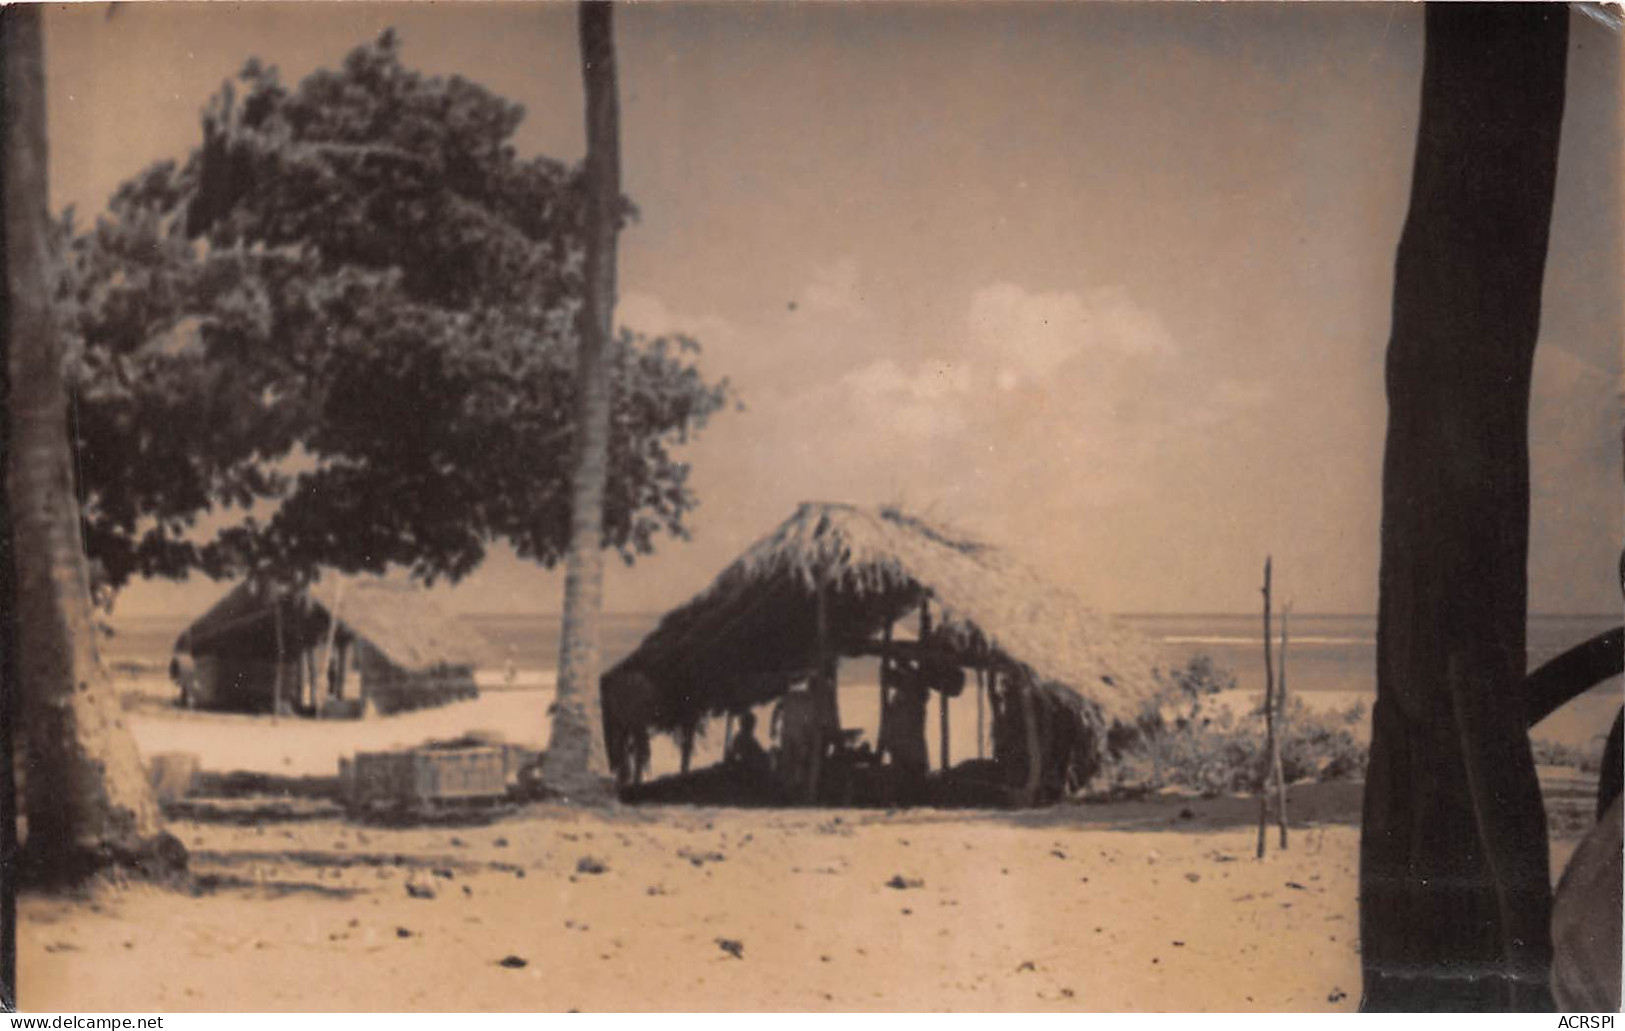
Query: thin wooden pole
{"points": [[309, 655], [981, 709], [1029, 718], [1280, 700], [925, 632], [341, 669], [826, 668], [276, 680], [332, 633], [363, 688], [1269, 720], [1000, 712], [885, 668], [728, 733], [942, 709]]}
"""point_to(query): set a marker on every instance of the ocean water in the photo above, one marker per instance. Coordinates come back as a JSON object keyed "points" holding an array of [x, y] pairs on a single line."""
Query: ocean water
{"points": [[1324, 653]]}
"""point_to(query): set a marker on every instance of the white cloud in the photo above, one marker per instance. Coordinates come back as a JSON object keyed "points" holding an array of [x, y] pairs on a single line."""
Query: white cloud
{"points": [[1034, 333], [836, 288], [1102, 417]]}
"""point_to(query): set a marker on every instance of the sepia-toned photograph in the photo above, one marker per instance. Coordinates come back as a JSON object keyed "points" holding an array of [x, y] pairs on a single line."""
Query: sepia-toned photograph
{"points": [[812, 507]]}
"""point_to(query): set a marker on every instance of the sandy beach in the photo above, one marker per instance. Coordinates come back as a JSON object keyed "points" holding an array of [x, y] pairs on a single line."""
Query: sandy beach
{"points": [[1130, 907], [1156, 904]]}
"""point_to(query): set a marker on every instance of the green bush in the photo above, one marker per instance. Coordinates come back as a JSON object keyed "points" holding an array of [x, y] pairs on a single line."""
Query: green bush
{"points": [[1207, 749]]}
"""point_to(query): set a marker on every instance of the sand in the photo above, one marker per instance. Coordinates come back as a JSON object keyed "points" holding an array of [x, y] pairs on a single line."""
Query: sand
{"points": [[1149, 905], [1124, 907]]}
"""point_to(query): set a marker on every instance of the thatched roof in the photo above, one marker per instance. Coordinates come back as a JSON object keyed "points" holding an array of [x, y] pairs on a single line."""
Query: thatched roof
{"points": [[732, 644], [399, 618]]}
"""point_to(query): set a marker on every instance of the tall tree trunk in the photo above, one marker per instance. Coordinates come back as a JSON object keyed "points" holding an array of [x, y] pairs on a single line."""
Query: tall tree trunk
{"points": [[576, 762], [88, 800], [1455, 899]]}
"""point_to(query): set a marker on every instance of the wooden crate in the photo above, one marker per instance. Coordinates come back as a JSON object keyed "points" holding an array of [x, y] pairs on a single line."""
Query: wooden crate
{"points": [[424, 777], [460, 773]]}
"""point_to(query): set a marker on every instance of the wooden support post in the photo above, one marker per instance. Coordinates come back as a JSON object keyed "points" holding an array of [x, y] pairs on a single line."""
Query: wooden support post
{"points": [[925, 634], [1267, 765], [1001, 715], [885, 668], [728, 733], [360, 675], [1035, 747], [981, 710], [826, 663], [821, 621], [340, 670], [276, 680], [942, 703], [309, 655], [327, 664]]}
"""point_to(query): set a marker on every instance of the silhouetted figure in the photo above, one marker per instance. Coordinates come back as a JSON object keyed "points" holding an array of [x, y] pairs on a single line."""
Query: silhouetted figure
{"points": [[745, 753]]}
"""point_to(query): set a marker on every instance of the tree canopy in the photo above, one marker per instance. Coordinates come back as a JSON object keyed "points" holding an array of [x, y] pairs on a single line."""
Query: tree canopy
{"points": [[341, 333]]}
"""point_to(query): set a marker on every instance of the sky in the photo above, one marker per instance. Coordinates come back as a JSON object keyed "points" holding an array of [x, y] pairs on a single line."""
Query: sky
{"points": [[1108, 284]]}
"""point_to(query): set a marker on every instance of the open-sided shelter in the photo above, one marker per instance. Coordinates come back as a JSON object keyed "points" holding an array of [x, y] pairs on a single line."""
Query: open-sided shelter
{"points": [[344, 646], [833, 580]]}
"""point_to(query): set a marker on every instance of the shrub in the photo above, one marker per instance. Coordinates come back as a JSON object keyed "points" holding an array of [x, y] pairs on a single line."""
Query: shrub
{"points": [[1556, 753], [1207, 749]]}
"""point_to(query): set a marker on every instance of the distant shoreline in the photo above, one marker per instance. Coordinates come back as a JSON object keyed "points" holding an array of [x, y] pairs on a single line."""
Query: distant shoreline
{"points": [[170, 617]]}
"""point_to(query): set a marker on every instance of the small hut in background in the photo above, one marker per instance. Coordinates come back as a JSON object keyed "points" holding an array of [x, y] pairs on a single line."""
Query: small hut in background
{"points": [[344, 646], [836, 581]]}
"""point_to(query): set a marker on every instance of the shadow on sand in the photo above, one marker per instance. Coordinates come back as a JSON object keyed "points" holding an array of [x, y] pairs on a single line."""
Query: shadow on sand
{"points": [[969, 789]]}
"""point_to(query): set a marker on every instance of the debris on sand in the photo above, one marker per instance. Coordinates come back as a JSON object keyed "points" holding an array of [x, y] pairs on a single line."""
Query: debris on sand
{"points": [[1193, 877], [1027, 966], [699, 859], [1296, 886], [591, 865], [443, 873], [420, 889], [732, 947], [1337, 995], [901, 883], [513, 962], [1057, 853], [404, 932], [500, 843]]}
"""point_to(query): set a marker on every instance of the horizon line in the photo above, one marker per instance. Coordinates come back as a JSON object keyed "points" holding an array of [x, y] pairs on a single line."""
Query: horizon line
{"points": [[1139, 614]]}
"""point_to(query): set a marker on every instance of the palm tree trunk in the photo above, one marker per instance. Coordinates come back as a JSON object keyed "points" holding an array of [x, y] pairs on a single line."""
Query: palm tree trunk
{"points": [[88, 800], [1455, 900], [576, 762]]}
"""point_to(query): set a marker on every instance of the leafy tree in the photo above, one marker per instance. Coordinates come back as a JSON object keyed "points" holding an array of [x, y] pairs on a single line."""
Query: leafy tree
{"points": [[342, 332], [1188, 686]]}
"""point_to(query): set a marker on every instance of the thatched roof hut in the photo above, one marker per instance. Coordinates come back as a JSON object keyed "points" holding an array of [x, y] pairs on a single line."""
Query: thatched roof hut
{"points": [[387, 642], [741, 640]]}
